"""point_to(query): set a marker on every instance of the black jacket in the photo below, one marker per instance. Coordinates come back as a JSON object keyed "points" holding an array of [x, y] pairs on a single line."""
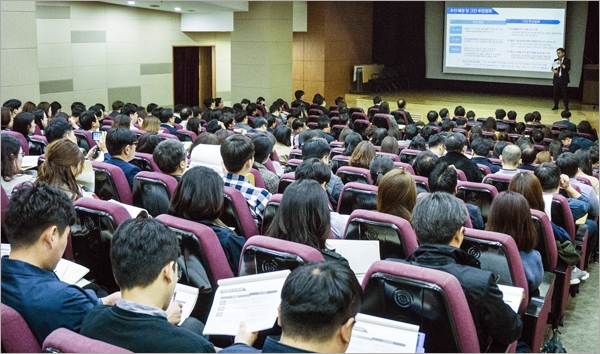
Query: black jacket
{"points": [[464, 164], [492, 317], [564, 73]]}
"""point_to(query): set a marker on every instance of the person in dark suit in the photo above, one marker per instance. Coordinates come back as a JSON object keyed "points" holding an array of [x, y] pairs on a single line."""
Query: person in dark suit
{"points": [[565, 115], [121, 144], [561, 78]]}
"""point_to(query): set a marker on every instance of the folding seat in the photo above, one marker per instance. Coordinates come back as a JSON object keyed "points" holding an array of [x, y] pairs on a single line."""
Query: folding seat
{"points": [[236, 213], [490, 135], [313, 117], [276, 156], [63, 340], [145, 162], [39, 143], [111, 183], [429, 298], [372, 112], [400, 114], [394, 157], [164, 136], [22, 140], [562, 216], [405, 166], [355, 109], [202, 253], [586, 135], [270, 211], [285, 180], [97, 220], [262, 254], [292, 164], [296, 154], [471, 125], [336, 129], [559, 127], [360, 125], [547, 141], [502, 128], [495, 161], [178, 126], [258, 180], [338, 161], [357, 196], [382, 121], [312, 125], [315, 112], [337, 144], [511, 123], [484, 169], [584, 180], [460, 130], [409, 155], [481, 119], [396, 236], [479, 194], [422, 182], [499, 254], [108, 122], [333, 108], [152, 191], [513, 137], [499, 181], [16, 334], [461, 175], [185, 135], [107, 127], [338, 150], [84, 139], [354, 174], [354, 116]]}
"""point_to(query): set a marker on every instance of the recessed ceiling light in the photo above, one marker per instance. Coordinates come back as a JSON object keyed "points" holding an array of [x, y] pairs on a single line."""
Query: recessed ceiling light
{"points": [[131, 2], [177, 9]]}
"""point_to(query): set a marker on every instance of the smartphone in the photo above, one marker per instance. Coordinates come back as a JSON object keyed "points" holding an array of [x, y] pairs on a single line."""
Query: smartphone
{"points": [[96, 136]]}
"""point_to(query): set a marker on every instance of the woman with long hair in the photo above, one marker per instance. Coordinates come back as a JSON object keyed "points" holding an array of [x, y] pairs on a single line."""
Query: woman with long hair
{"points": [[64, 162], [389, 144], [121, 121], [283, 135], [397, 194], [362, 155], [490, 126], [151, 124], [520, 227], [199, 197], [12, 158], [585, 167], [303, 217]]}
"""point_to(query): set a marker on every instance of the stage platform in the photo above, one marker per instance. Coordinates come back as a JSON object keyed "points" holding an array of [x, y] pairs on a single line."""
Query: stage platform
{"points": [[419, 102]]}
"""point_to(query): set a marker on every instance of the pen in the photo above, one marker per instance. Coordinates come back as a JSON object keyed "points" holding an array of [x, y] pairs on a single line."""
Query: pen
{"points": [[174, 295]]}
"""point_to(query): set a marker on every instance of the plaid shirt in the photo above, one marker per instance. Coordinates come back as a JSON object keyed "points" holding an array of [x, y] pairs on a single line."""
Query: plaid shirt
{"points": [[256, 198]]}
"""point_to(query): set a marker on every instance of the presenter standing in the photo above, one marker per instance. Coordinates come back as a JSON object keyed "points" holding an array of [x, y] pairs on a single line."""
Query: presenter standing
{"points": [[560, 68]]}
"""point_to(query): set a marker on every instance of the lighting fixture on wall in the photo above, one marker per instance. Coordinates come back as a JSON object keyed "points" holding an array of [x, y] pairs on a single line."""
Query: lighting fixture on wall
{"points": [[131, 2], [177, 9]]}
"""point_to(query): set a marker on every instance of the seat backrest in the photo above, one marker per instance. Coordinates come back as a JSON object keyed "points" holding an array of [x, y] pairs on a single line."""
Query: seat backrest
{"points": [[382, 121], [336, 129], [354, 116], [292, 164], [357, 196], [22, 140], [338, 161], [355, 109], [145, 162], [16, 335], [84, 139], [263, 254], [67, 341], [296, 154], [484, 169], [422, 182], [479, 194], [185, 135], [204, 253], [561, 214], [285, 180], [405, 166], [394, 157], [401, 114], [584, 181], [111, 183], [396, 236], [38, 144], [499, 254], [152, 191], [408, 155], [91, 235], [546, 244], [336, 150], [164, 136], [360, 125], [236, 213], [354, 174], [501, 182], [429, 298], [270, 211], [258, 180]]}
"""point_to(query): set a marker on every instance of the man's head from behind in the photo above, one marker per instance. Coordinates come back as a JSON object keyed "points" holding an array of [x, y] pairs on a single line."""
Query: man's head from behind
{"points": [[313, 168], [424, 163], [170, 157], [565, 137], [528, 153], [511, 156], [549, 175], [568, 163], [316, 147], [39, 216], [456, 142], [439, 218], [120, 142], [480, 147], [143, 254], [59, 128], [238, 154], [443, 178], [319, 301]]}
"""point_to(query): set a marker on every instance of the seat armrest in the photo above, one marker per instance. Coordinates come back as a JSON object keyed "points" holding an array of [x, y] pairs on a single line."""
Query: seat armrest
{"points": [[537, 302]]}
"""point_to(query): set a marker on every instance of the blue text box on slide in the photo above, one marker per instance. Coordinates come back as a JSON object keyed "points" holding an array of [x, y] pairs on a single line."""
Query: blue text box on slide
{"points": [[456, 39], [455, 29], [455, 49], [471, 11], [477, 22], [533, 21]]}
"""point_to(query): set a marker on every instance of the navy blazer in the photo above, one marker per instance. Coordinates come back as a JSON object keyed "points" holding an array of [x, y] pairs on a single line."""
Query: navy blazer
{"points": [[170, 129], [130, 170]]}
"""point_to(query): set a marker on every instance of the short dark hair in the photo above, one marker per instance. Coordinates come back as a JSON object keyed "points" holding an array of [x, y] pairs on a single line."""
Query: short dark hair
{"points": [[57, 129], [313, 168], [379, 166], [447, 125], [140, 248], [208, 102], [376, 99], [432, 116], [236, 150], [198, 196], [34, 208], [470, 115], [119, 138], [568, 163], [528, 153], [185, 113], [424, 163], [298, 94], [298, 123], [318, 99], [306, 135], [13, 104], [117, 105], [263, 147], [437, 217], [443, 113], [260, 122], [561, 49], [511, 115], [443, 178], [427, 131], [240, 116], [283, 134], [500, 114], [480, 147], [410, 131], [168, 155], [538, 136], [549, 175], [305, 314], [566, 133], [418, 143], [315, 147], [324, 122], [86, 119], [165, 115], [128, 109], [460, 121], [436, 140], [455, 142], [459, 111]]}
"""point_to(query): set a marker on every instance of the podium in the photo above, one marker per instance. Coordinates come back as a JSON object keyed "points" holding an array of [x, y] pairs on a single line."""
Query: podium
{"points": [[590, 84]]}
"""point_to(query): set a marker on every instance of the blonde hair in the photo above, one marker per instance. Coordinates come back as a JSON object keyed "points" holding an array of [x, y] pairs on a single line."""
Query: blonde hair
{"points": [[151, 124], [362, 155], [397, 194]]}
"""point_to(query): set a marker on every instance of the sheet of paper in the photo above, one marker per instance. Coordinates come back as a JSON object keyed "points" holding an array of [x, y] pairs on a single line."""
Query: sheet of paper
{"points": [[5, 249], [372, 334], [29, 161], [512, 296], [253, 299], [361, 254], [87, 178], [133, 211], [187, 296], [70, 272]]}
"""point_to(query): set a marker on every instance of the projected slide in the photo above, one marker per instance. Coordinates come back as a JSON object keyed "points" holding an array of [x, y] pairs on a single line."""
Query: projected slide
{"points": [[489, 38]]}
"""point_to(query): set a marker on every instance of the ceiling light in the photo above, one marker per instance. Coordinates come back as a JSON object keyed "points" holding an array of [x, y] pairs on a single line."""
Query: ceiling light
{"points": [[131, 2], [177, 9]]}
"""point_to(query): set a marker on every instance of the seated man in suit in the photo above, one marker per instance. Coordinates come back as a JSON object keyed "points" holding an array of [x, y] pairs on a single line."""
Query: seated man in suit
{"points": [[319, 148], [238, 158], [480, 149], [139, 321], [528, 154], [565, 116], [320, 101], [299, 95], [167, 119], [308, 323], [39, 219], [241, 121], [121, 143], [401, 107], [170, 156], [438, 220], [573, 142], [432, 117], [456, 144], [376, 102]]}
